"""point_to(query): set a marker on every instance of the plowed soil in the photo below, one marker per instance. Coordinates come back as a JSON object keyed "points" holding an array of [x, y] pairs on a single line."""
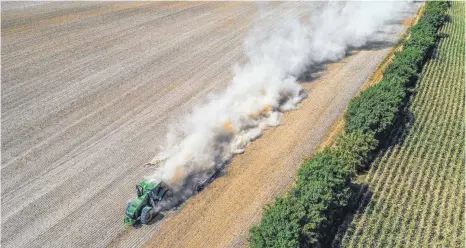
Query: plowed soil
{"points": [[221, 215], [88, 89]]}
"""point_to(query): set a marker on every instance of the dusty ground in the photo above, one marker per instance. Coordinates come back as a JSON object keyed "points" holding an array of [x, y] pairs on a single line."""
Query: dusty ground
{"points": [[88, 90]]}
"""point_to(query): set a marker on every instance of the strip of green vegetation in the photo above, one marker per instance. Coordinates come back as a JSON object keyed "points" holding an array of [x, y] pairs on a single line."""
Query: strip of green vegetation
{"points": [[310, 213], [413, 194]]}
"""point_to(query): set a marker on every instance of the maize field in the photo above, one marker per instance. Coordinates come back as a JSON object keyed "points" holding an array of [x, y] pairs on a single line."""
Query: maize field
{"points": [[413, 195]]}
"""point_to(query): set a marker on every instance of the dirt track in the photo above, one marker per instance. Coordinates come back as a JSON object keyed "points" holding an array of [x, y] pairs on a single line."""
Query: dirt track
{"points": [[87, 92]]}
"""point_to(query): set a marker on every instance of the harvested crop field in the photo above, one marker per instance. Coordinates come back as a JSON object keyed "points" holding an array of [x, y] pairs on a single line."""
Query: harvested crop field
{"points": [[88, 90], [415, 190]]}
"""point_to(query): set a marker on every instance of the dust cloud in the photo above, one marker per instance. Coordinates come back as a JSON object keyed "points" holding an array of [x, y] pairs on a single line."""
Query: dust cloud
{"points": [[265, 87]]}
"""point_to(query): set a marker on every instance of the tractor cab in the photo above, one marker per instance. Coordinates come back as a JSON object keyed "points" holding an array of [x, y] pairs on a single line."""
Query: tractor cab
{"points": [[144, 208], [145, 186]]}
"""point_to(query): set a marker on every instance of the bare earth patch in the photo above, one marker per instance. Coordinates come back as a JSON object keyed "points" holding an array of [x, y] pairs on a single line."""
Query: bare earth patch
{"points": [[88, 89]]}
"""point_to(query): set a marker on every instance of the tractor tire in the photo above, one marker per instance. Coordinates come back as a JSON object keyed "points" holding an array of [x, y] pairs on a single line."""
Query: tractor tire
{"points": [[146, 215]]}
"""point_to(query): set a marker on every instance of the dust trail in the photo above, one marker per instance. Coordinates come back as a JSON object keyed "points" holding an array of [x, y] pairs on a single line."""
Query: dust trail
{"points": [[265, 87]]}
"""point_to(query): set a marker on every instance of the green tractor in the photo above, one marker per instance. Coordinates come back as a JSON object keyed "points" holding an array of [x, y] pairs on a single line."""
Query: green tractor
{"points": [[144, 208]]}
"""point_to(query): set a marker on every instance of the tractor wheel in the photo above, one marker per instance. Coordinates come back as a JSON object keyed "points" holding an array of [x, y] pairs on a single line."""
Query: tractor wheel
{"points": [[146, 215], [128, 204]]}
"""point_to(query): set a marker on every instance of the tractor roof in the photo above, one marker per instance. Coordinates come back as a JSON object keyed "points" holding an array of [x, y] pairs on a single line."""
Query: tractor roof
{"points": [[149, 185]]}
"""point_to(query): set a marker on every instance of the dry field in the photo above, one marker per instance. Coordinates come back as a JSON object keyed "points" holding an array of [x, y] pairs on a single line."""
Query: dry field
{"points": [[88, 90]]}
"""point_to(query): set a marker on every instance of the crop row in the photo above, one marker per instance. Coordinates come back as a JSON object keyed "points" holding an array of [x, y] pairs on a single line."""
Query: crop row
{"points": [[417, 185], [311, 212]]}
